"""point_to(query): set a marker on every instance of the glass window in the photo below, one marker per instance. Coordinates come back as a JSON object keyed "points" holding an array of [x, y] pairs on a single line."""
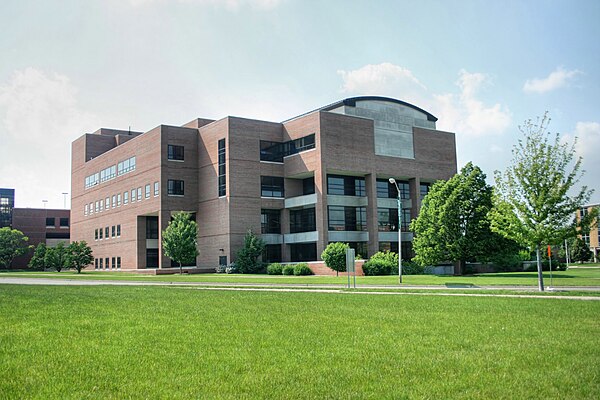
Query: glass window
{"points": [[107, 263], [303, 252], [106, 232], [147, 191], [85, 209], [308, 185], [64, 222], [156, 187], [126, 197], [139, 194], [222, 169], [271, 186], [113, 231], [95, 263], [343, 218], [118, 230], [303, 220], [107, 203], [132, 195], [91, 208], [114, 262], [346, 185], [126, 166], [151, 227], [276, 151], [96, 234], [118, 262], [270, 221], [175, 152], [175, 187], [100, 232], [385, 189], [114, 200], [100, 263], [50, 222], [387, 219], [424, 188], [119, 200], [272, 253]]}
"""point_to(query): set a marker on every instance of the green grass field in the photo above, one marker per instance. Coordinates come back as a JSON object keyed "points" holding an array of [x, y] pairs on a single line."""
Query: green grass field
{"points": [[161, 342], [571, 277]]}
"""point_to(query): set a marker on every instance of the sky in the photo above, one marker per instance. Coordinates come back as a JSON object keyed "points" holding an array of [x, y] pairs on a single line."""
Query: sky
{"points": [[481, 67]]}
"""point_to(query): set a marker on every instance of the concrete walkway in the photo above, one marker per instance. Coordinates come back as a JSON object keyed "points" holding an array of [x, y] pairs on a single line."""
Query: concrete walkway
{"points": [[276, 287]]}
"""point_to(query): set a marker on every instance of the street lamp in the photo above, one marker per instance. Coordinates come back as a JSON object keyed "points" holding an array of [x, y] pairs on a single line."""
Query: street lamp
{"points": [[65, 199], [393, 182]]}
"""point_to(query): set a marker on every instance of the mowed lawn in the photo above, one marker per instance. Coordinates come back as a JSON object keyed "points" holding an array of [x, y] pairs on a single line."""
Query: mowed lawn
{"points": [[571, 277], [68, 342]]}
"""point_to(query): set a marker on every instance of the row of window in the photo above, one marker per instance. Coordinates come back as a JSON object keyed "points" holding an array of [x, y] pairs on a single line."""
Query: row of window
{"points": [[105, 263], [110, 172], [341, 218], [106, 233], [51, 222], [276, 151], [115, 199]]}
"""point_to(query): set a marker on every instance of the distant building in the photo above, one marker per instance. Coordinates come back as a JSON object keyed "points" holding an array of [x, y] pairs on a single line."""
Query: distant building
{"points": [[317, 178], [40, 225], [7, 203], [591, 238]]}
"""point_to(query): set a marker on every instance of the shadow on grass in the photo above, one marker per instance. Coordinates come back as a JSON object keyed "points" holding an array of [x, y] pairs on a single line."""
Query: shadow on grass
{"points": [[458, 285], [532, 275]]}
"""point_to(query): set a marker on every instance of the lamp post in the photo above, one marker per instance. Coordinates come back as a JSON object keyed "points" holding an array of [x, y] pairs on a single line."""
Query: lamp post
{"points": [[393, 182], [65, 199]]}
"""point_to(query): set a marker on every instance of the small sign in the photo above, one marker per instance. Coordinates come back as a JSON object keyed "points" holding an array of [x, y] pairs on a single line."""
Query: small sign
{"points": [[350, 266]]}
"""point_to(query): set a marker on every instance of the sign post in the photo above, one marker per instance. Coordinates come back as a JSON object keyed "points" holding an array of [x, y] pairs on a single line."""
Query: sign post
{"points": [[550, 264], [350, 266]]}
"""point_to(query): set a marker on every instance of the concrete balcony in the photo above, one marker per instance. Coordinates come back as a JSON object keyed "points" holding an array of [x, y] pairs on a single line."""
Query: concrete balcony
{"points": [[392, 203], [301, 237], [272, 238], [393, 236], [348, 236], [348, 201], [300, 201]]}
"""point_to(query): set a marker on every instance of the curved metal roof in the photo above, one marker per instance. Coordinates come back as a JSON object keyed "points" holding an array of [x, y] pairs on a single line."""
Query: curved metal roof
{"points": [[351, 101]]}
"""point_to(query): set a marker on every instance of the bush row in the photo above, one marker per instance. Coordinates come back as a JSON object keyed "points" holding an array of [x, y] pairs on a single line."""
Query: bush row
{"points": [[289, 269]]}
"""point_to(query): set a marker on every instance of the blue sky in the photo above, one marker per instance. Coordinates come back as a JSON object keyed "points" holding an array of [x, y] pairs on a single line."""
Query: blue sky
{"points": [[482, 67]]}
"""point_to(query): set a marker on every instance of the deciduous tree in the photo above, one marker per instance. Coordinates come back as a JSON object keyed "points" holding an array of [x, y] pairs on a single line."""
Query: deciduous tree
{"points": [[247, 257], [579, 251], [180, 239], [56, 257], [37, 261], [12, 244], [79, 255], [537, 193], [334, 256]]}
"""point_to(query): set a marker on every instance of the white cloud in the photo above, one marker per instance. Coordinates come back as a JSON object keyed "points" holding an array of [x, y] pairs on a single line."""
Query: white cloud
{"points": [[232, 5], [384, 79], [40, 118], [556, 80], [588, 143], [464, 113]]}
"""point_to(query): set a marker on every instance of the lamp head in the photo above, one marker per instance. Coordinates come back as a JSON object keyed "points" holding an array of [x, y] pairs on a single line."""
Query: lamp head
{"points": [[392, 181]]}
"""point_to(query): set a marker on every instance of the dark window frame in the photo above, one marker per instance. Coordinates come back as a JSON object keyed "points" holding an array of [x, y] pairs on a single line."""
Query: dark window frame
{"points": [[175, 187], [175, 152]]}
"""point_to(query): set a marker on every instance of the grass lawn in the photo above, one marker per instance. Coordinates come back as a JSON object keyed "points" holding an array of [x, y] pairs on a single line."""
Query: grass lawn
{"points": [[161, 342], [571, 277]]}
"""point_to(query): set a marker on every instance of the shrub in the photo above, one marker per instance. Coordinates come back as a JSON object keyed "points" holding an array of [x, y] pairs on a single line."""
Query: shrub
{"points": [[247, 257], [231, 269], [275, 269], [411, 268], [377, 267], [288, 269], [302, 269], [220, 269], [388, 256], [334, 256]]}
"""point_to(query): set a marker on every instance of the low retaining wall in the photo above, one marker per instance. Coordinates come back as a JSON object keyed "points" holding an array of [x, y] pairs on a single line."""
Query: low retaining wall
{"points": [[319, 268]]}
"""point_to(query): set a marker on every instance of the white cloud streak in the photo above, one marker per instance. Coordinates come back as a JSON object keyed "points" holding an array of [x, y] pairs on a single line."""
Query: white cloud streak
{"points": [[556, 80], [40, 118], [231, 5]]}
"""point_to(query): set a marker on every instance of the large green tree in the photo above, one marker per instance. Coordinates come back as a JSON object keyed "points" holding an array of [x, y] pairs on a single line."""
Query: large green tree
{"points": [[579, 251], [12, 244], [334, 256], [247, 257], [538, 194], [180, 239], [453, 223], [56, 257], [37, 260], [79, 255]]}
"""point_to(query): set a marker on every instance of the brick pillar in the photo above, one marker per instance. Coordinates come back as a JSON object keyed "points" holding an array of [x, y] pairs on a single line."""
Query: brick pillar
{"points": [[163, 221], [371, 188], [321, 210], [141, 242], [285, 228], [415, 186]]}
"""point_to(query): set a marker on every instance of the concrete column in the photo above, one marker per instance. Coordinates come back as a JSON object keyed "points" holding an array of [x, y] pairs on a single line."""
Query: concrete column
{"points": [[163, 221], [285, 228], [321, 210], [372, 227], [141, 242]]}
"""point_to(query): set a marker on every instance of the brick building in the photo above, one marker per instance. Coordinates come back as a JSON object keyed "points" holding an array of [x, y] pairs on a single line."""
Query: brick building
{"points": [[302, 183], [40, 225], [591, 238]]}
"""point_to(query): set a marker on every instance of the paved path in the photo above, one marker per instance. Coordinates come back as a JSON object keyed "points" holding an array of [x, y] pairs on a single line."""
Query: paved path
{"points": [[275, 287]]}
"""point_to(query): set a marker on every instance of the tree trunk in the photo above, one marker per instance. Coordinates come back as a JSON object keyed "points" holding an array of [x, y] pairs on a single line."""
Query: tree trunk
{"points": [[180, 269], [459, 267], [539, 268]]}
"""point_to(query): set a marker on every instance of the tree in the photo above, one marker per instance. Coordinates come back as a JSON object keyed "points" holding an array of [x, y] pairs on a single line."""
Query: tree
{"points": [[79, 255], [12, 244], [453, 223], [579, 250], [56, 257], [534, 205], [247, 258], [180, 239], [37, 261], [334, 256]]}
